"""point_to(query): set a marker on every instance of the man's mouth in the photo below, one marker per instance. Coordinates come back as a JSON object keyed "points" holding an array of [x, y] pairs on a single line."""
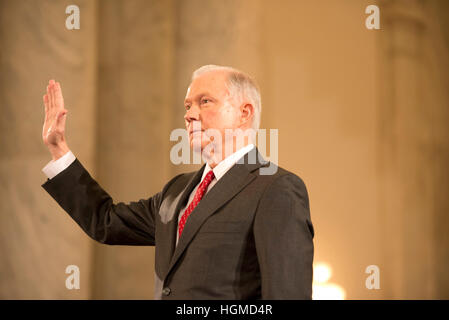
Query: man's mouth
{"points": [[194, 131]]}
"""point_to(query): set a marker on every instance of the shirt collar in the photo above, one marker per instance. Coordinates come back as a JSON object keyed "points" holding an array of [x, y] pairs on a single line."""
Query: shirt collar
{"points": [[226, 164]]}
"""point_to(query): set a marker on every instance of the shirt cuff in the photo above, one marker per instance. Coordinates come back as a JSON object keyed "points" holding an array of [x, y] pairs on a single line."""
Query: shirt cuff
{"points": [[55, 167]]}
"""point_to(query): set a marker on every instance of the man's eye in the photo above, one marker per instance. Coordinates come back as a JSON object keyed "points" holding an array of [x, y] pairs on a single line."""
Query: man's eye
{"points": [[187, 107], [205, 101]]}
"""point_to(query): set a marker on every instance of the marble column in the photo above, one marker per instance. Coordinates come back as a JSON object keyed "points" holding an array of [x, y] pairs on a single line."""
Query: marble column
{"points": [[134, 107], [413, 151], [436, 88], [37, 238]]}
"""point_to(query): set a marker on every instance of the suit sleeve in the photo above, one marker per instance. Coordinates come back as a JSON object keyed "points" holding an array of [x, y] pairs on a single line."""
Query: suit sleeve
{"points": [[283, 234], [94, 211]]}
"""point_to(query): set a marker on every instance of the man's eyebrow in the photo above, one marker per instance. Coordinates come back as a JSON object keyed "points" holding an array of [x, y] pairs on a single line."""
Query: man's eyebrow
{"points": [[202, 94]]}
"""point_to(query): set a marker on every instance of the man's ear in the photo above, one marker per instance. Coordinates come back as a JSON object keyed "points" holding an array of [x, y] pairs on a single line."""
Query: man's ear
{"points": [[247, 112]]}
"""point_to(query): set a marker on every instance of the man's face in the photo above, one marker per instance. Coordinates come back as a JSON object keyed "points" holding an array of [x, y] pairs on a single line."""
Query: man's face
{"points": [[207, 101]]}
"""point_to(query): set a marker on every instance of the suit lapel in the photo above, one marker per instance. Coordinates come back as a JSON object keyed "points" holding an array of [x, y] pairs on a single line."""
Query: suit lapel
{"points": [[228, 186], [171, 225]]}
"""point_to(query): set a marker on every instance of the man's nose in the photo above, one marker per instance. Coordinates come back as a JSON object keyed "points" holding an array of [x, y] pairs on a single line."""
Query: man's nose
{"points": [[192, 114]]}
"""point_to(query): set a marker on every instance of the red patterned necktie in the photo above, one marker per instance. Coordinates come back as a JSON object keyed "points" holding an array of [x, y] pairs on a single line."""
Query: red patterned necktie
{"points": [[196, 199]]}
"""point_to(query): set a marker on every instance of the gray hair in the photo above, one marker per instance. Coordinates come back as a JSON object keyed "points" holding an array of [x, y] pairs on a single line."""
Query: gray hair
{"points": [[240, 85]]}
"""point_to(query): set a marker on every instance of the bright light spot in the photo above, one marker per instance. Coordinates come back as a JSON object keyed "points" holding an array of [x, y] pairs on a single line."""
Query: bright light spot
{"points": [[329, 291], [322, 289], [322, 272]]}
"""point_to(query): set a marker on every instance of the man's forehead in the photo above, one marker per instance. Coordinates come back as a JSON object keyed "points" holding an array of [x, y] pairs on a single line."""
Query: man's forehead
{"points": [[212, 82]]}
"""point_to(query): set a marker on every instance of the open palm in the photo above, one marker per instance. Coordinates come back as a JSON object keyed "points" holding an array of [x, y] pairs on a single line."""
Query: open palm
{"points": [[55, 117]]}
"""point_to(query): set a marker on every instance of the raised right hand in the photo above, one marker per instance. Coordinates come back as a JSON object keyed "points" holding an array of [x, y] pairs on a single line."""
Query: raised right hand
{"points": [[54, 125]]}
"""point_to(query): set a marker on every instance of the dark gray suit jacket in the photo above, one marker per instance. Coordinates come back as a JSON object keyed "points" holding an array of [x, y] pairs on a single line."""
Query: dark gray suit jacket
{"points": [[250, 237]]}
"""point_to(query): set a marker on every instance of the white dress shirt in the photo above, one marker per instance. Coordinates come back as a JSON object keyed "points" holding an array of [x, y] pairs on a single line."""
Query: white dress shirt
{"points": [[219, 171], [55, 167]]}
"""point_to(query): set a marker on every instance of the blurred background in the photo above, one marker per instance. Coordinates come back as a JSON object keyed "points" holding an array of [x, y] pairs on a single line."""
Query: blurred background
{"points": [[362, 116]]}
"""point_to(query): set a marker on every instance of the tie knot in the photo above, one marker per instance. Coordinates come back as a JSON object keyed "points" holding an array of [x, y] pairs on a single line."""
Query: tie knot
{"points": [[209, 177]]}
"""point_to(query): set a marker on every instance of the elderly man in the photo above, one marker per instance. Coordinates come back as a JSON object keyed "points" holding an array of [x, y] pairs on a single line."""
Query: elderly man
{"points": [[224, 232]]}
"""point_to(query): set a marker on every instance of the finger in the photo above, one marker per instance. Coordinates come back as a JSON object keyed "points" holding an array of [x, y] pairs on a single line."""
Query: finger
{"points": [[52, 97], [45, 99], [59, 100], [51, 83], [48, 95]]}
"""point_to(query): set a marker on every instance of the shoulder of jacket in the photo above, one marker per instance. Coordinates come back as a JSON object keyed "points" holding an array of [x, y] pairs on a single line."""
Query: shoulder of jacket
{"points": [[280, 177]]}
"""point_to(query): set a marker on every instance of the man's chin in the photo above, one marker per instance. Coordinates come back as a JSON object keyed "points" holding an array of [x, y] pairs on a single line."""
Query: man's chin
{"points": [[197, 146]]}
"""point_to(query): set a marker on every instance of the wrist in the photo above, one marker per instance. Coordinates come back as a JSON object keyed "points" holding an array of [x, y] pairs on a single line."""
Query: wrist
{"points": [[58, 151]]}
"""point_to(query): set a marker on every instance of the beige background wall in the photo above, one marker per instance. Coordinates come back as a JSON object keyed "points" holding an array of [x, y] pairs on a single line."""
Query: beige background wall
{"points": [[362, 118]]}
